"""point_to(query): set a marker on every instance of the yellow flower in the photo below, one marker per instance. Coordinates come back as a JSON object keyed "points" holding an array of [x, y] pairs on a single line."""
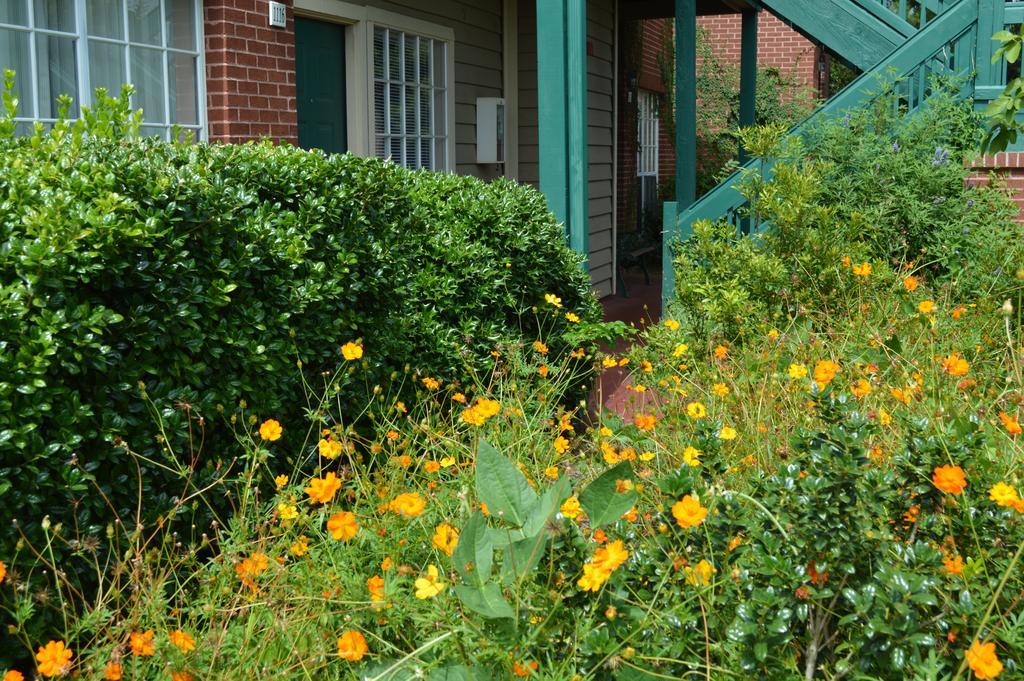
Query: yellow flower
{"points": [[593, 577], [447, 461], [1004, 495], [287, 512], [270, 430], [445, 538], [352, 646], [408, 505], [572, 318], [647, 456], [727, 433], [884, 417], [300, 547], [352, 351], [281, 481], [825, 371], [343, 526], [688, 512], [696, 410], [671, 325], [680, 350], [540, 347], [431, 383], [983, 661], [182, 641], [797, 371], [720, 389], [691, 456], [429, 586], [552, 299], [141, 643], [561, 445], [926, 306], [609, 362], [386, 564], [611, 556], [571, 507], [54, 658], [551, 472], [322, 490], [477, 414], [700, 574], [329, 449], [861, 388]]}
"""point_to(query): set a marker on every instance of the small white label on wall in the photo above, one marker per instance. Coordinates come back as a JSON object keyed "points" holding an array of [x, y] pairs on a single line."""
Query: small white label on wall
{"points": [[278, 14]]}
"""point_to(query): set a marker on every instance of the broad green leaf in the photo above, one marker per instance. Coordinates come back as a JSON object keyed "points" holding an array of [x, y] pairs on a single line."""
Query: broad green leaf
{"points": [[501, 486], [547, 506], [473, 555], [602, 502], [485, 600], [521, 557]]}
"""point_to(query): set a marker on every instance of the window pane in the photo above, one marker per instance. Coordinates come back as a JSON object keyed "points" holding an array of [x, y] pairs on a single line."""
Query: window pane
{"points": [[395, 110], [105, 18], [153, 131], [147, 72], [379, 45], [440, 64], [181, 25], [409, 57], [410, 110], [14, 12], [380, 106], [394, 54], [181, 69], [56, 15], [106, 67], [424, 49], [14, 54], [55, 63], [144, 21]]}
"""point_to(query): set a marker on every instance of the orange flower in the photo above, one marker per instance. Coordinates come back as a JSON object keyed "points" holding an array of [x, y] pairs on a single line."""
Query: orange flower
{"points": [[182, 641], [181, 676], [926, 306], [688, 512], [561, 445], [721, 351], [13, 675], [1011, 424], [445, 538], [949, 479], [953, 563], [408, 505], [955, 365], [824, 372], [322, 490], [54, 659], [270, 430], [983, 661], [141, 643], [524, 670], [352, 646], [3, 571], [113, 672], [910, 283], [861, 388], [375, 585], [343, 526], [645, 421], [863, 270]]}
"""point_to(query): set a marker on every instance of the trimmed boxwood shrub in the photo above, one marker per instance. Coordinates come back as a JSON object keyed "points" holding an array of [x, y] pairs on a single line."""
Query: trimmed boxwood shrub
{"points": [[208, 272]]}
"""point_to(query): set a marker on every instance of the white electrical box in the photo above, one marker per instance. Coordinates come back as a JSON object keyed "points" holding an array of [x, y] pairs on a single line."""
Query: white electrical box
{"points": [[278, 14], [490, 130]]}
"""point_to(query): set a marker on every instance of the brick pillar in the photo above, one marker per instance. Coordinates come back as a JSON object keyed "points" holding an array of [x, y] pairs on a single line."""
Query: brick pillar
{"points": [[1008, 169], [250, 72]]}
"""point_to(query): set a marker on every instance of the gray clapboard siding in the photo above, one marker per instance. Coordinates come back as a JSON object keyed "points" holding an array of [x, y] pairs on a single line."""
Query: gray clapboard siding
{"points": [[478, 63], [600, 128]]}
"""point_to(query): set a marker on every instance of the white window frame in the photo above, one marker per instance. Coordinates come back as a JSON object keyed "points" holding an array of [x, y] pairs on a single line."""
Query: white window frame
{"points": [[83, 77], [360, 22]]}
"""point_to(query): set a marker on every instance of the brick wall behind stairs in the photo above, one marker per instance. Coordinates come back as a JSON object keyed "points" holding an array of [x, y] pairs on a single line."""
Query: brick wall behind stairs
{"points": [[1008, 168], [250, 72]]}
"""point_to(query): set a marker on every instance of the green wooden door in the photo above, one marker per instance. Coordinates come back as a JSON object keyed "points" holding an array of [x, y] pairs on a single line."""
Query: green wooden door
{"points": [[320, 85]]}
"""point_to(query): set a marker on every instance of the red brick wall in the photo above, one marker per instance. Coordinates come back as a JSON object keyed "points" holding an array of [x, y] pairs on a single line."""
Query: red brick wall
{"points": [[1009, 169], [250, 72]]}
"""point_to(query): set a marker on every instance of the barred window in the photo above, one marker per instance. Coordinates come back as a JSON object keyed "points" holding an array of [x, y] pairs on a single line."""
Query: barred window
{"points": [[410, 107]]}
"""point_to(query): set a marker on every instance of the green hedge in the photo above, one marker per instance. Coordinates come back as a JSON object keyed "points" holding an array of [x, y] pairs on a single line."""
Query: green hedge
{"points": [[207, 272]]}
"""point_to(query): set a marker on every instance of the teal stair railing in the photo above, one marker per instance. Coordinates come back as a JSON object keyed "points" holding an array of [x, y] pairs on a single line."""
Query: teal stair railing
{"points": [[942, 37]]}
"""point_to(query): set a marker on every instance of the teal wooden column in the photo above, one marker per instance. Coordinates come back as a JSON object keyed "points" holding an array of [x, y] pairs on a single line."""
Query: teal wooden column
{"points": [[748, 73], [686, 106], [562, 114], [991, 15]]}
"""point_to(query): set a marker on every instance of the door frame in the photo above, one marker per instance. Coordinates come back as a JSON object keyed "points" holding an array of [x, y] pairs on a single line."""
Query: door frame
{"points": [[359, 21]]}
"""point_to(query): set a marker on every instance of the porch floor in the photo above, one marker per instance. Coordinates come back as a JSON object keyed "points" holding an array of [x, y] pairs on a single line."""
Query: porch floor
{"points": [[642, 307]]}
